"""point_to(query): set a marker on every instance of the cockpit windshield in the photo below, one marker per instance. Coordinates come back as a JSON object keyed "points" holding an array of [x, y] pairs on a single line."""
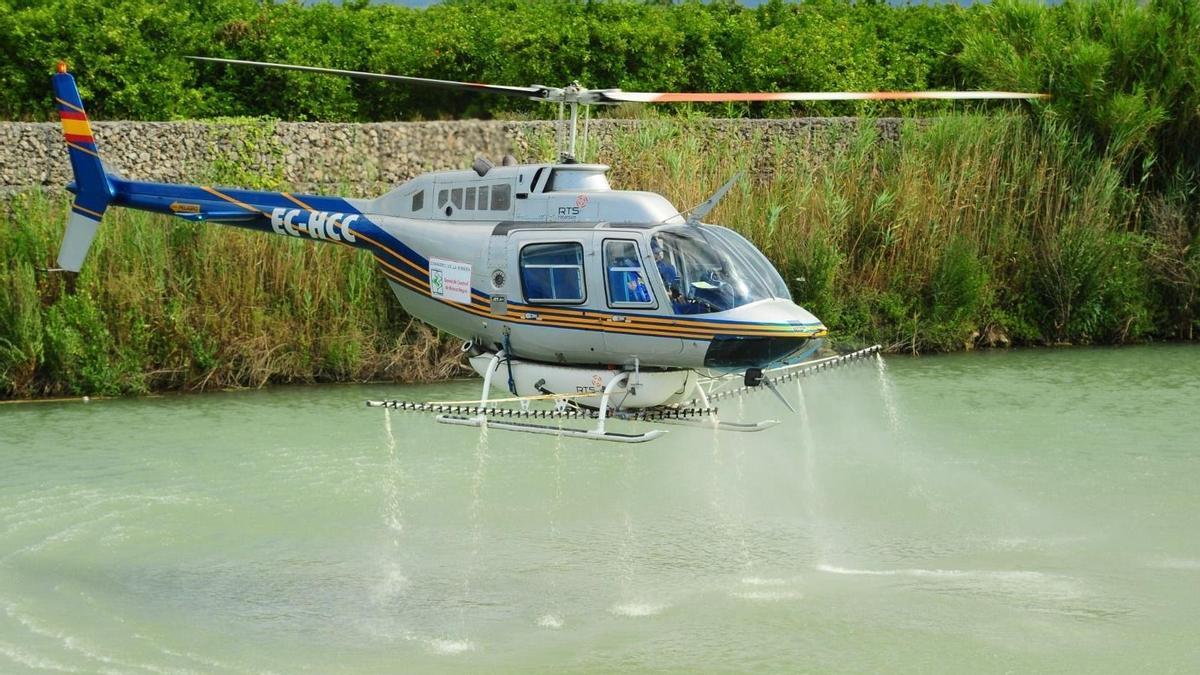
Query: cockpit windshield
{"points": [[709, 269]]}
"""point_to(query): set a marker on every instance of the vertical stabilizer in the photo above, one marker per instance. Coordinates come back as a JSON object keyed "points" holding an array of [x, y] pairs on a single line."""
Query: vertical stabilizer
{"points": [[92, 188]]}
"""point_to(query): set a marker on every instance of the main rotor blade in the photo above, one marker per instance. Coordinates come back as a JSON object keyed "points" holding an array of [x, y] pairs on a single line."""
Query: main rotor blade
{"points": [[616, 95], [536, 93]]}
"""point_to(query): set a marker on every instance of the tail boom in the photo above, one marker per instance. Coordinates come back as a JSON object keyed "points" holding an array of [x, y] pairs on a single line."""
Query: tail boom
{"points": [[330, 219]]}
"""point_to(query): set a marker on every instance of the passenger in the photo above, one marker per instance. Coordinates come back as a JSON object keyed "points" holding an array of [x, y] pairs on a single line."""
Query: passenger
{"points": [[635, 288]]}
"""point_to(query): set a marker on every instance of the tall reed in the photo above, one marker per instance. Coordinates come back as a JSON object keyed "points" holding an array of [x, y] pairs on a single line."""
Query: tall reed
{"points": [[163, 304], [963, 231]]}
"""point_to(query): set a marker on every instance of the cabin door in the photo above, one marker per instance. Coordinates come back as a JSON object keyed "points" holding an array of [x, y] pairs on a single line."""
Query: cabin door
{"points": [[638, 315], [550, 295]]}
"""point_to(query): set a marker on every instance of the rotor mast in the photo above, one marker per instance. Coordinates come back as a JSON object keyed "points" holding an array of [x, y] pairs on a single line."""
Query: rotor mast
{"points": [[567, 136]]}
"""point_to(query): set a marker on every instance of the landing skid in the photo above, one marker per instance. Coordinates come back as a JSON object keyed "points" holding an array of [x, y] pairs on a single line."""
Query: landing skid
{"points": [[525, 427], [745, 427], [698, 412]]}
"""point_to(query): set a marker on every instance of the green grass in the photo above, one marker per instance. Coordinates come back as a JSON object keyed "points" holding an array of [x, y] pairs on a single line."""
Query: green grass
{"points": [[968, 231], [163, 304]]}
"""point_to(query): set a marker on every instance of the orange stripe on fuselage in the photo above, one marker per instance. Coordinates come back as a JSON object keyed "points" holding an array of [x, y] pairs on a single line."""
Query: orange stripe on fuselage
{"points": [[297, 202], [659, 326], [583, 319], [610, 327], [232, 200], [630, 327]]}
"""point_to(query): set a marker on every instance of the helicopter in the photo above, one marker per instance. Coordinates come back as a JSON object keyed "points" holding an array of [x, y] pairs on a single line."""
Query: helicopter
{"points": [[613, 305]]}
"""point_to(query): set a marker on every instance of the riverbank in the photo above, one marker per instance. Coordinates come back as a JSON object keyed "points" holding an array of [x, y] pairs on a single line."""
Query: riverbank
{"points": [[960, 232]]}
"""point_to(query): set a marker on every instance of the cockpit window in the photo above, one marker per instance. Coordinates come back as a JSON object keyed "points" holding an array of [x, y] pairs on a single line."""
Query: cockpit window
{"points": [[712, 269]]}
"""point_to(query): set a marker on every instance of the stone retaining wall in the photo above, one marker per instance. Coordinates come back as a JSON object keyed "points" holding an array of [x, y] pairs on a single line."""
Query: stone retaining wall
{"points": [[333, 157]]}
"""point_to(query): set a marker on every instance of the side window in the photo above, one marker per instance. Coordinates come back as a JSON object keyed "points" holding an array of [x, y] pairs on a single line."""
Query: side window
{"points": [[627, 283], [443, 197], [501, 197], [456, 197], [552, 273], [483, 198], [470, 206], [418, 201]]}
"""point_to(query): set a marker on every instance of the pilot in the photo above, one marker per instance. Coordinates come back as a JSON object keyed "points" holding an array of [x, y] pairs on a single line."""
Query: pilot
{"points": [[666, 270]]}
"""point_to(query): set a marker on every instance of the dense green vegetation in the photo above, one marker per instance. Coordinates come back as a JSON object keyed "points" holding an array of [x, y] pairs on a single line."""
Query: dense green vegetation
{"points": [[130, 52], [971, 230], [168, 305], [1073, 220], [1123, 74]]}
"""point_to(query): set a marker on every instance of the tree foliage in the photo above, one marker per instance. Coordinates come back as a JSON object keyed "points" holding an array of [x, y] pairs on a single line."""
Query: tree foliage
{"points": [[1126, 73], [130, 52]]}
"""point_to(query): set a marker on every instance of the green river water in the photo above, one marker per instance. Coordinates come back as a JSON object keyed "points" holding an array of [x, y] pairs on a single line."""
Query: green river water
{"points": [[1019, 511]]}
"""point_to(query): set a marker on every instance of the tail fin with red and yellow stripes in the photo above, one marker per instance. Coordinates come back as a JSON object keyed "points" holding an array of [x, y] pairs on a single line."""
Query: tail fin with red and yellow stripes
{"points": [[92, 188]]}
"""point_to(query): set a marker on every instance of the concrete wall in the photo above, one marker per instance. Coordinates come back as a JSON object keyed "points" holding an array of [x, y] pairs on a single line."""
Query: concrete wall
{"points": [[343, 158]]}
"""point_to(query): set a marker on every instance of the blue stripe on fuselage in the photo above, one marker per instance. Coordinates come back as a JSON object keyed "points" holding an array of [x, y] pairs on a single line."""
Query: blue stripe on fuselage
{"points": [[252, 209], [248, 209]]}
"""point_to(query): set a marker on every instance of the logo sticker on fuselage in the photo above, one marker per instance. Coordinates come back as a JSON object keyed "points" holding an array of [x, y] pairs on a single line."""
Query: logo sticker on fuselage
{"points": [[450, 280], [317, 224]]}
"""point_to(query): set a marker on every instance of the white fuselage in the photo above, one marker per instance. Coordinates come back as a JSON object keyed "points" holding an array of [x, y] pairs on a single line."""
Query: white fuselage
{"points": [[455, 261]]}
